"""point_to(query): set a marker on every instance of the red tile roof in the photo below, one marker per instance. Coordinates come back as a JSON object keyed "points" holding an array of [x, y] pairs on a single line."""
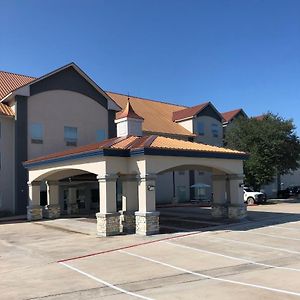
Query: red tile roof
{"points": [[189, 112], [229, 115], [11, 81], [259, 118], [6, 110], [128, 112], [135, 143]]}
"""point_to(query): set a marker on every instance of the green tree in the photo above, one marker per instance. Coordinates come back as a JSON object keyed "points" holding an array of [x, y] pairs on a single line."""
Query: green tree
{"points": [[272, 143]]}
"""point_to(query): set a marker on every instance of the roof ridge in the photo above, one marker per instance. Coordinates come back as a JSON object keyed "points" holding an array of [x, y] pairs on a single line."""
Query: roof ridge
{"points": [[225, 112], [113, 141], [147, 99], [200, 104], [150, 140], [12, 73]]}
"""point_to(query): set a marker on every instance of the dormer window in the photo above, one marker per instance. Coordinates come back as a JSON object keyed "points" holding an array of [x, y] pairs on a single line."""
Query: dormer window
{"points": [[200, 128]]}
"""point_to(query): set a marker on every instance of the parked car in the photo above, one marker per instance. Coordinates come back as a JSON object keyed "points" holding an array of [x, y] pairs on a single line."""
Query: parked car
{"points": [[289, 192], [251, 197]]}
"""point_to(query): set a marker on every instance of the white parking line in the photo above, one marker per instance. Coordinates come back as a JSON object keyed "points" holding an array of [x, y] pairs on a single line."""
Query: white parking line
{"points": [[104, 282], [271, 235], [231, 257], [211, 277], [254, 244]]}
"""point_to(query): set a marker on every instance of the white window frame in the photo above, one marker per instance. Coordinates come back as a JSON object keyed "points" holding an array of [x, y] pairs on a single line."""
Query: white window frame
{"points": [[69, 140]]}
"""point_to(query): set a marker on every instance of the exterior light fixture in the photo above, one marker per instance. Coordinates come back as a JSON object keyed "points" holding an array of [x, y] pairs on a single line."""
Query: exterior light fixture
{"points": [[150, 187]]}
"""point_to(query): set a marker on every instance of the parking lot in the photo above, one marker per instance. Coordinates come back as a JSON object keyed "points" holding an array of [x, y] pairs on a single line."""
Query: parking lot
{"points": [[256, 259]]}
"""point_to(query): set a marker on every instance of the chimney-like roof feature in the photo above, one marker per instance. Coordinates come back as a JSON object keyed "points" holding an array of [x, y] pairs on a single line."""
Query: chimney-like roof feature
{"points": [[129, 112]]}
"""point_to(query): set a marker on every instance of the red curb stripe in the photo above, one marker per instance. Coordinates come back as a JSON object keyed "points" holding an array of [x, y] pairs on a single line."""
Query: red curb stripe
{"points": [[127, 247]]}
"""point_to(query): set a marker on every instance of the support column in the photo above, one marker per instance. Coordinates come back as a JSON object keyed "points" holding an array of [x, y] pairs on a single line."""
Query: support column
{"points": [[147, 219], [237, 209], [219, 206], [52, 209], [72, 201], [108, 219], [34, 209], [129, 203]]}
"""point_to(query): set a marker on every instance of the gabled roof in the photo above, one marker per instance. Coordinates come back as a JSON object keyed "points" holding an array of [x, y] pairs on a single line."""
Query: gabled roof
{"points": [[19, 83], [229, 115], [193, 111], [6, 110], [134, 145], [128, 112], [259, 118], [157, 115], [188, 112], [11, 81]]}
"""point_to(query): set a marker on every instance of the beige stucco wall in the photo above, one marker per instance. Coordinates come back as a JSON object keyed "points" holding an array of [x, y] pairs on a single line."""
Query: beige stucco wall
{"points": [[7, 164], [97, 165], [157, 164], [140, 165], [134, 165], [58, 108]]}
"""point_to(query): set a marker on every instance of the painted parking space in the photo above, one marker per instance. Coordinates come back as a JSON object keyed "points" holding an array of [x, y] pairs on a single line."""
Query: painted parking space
{"points": [[235, 261], [204, 266], [193, 256]]}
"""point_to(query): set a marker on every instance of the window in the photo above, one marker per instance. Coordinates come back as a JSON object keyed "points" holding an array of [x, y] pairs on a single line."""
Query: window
{"points": [[215, 130], [200, 128], [36, 133], [100, 135], [70, 136], [181, 172]]}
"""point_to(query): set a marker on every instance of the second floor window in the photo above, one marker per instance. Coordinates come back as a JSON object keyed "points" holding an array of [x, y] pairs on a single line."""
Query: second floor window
{"points": [[200, 128], [36, 133], [70, 134], [215, 130]]}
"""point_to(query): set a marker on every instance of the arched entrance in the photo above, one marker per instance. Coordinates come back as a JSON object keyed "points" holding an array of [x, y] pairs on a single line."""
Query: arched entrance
{"points": [[132, 172]]}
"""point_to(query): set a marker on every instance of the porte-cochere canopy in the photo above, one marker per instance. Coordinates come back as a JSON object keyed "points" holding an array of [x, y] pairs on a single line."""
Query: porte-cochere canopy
{"points": [[136, 162]]}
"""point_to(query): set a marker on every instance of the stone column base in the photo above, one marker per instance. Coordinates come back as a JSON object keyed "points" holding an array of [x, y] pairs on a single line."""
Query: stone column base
{"points": [[52, 211], [34, 213], [219, 210], [237, 211], [108, 224], [127, 221], [72, 209], [147, 223]]}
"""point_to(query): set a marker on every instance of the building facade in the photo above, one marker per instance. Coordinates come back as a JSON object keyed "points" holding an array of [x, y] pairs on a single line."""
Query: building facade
{"points": [[66, 109]]}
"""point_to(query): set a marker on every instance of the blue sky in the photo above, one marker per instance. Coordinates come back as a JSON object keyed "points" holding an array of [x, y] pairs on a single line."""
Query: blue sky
{"points": [[236, 53]]}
